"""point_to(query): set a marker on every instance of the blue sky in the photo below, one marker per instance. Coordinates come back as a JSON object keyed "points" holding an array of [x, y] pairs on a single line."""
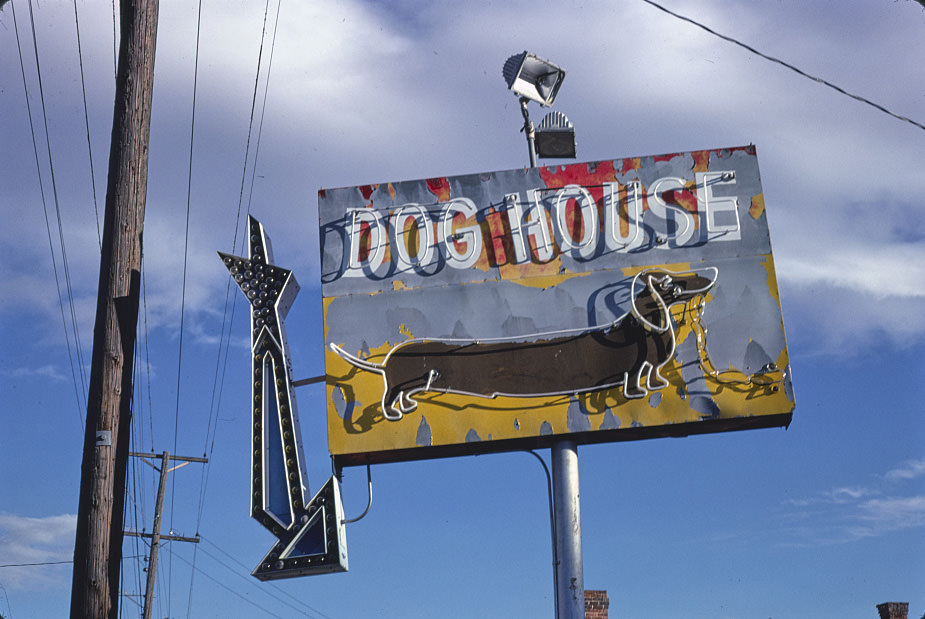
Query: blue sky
{"points": [[825, 519]]}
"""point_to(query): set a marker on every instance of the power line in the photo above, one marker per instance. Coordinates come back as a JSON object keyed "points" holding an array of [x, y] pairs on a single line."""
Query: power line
{"points": [[217, 385], [189, 191], [248, 579], [785, 64], [54, 188], [83, 88], [34, 564], [229, 589], [78, 367]]}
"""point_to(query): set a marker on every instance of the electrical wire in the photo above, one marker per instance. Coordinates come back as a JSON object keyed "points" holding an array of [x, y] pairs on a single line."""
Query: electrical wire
{"points": [[54, 186], [144, 301], [136, 479], [263, 108], [219, 384], [189, 189], [115, 43], [787, 65], [247, 578], [76, 368], [263, 609], [33, 564], [83, 89], [228, 313]]}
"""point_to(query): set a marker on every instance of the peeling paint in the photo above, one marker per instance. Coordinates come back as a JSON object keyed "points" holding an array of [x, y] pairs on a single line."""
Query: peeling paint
{"points": [[424, 436], [472, 436], [577, 420], [610, 421], [705, 406], [343, 408]]}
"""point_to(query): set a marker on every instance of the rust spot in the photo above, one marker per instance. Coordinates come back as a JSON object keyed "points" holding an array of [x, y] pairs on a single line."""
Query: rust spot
{"points": [[681, 197], [701, 161], [440, 187], [578, 174], [632, 163], [668, 157]]}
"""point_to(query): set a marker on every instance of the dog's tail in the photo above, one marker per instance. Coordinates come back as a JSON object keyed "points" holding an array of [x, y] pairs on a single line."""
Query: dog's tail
{"points": [[355, 361]]}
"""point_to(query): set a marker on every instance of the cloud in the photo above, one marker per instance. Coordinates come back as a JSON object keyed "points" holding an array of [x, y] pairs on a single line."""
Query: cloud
{"points": [[851, 513], [369, 92], [847, 495], [25, 540], [45, 371], [909, 470], [893, 513]]}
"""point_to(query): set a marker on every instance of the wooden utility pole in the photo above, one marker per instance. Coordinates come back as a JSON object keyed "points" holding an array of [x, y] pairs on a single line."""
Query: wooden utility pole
{"points": [[155, 535], [98, 544]]}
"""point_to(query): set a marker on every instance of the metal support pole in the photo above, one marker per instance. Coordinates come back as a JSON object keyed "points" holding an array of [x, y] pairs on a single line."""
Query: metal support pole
{"points": [[570, 594], [529, 131]]}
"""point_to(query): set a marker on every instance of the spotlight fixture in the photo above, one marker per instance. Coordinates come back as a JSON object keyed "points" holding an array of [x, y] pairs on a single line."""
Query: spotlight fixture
{"points": [[555, 137], [533, 79], [530, 76]]}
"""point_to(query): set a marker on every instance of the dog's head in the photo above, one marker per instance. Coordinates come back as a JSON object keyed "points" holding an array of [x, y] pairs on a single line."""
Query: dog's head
{"points": [[674, 287], [667, 288]]}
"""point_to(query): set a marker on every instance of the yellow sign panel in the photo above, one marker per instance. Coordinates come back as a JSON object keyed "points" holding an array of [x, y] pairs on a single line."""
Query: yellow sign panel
{"points": [[606, 301]]}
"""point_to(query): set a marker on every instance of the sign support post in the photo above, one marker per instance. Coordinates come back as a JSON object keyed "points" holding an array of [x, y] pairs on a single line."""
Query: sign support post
{"points": [[570, 590]]}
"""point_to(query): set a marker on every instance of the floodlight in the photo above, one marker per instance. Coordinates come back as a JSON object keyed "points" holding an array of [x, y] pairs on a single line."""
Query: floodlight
{"points": [[555, 137], [530, 76]]}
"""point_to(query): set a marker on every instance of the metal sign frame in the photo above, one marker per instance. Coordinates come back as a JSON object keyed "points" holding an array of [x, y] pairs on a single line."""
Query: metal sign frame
{"points": [[605, 301]]}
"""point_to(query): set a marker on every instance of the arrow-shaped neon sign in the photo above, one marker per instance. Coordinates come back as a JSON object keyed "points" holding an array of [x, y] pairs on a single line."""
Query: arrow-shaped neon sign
{"points": [[311, 536]]}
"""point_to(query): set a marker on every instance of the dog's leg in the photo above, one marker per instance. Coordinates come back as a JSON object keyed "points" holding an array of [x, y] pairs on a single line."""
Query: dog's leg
{"points": [[407, 403], [391, 411], [632, 381], [656, 380]]}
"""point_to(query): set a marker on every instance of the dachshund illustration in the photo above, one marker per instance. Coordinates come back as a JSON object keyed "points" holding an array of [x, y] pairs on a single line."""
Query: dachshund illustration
{"points": [[629, 351]]}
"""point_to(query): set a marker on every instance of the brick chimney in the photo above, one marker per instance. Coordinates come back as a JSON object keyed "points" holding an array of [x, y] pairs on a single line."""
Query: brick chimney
{"points": [[596, 605], [888, 610]]}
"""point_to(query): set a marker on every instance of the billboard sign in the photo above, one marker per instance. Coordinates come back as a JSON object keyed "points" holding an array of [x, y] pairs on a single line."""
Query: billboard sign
{"points": [[613, 300]]}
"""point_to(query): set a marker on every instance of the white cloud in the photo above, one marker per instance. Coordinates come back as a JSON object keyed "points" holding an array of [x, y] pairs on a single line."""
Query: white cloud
{"points": [[363, 92], [25, 540], [846, 495], [850, 513], [889, 514], [45, 371], [909, 470]]}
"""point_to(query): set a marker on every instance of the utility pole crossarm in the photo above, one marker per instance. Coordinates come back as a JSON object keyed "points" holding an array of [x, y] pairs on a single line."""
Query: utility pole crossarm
{"points": [[169, 538]]}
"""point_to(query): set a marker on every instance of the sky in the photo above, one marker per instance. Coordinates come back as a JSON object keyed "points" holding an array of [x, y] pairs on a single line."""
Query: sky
{"points": [[824, 519]]}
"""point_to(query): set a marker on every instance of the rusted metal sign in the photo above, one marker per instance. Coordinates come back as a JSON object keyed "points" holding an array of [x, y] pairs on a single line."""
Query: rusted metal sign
{"points": [[613, 300]]}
